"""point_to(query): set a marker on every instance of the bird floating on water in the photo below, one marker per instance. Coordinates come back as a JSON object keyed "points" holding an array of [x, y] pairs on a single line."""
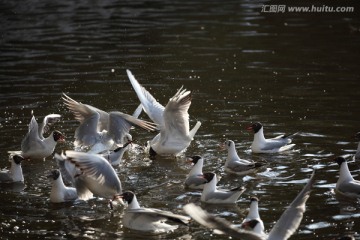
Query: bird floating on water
{"points": [[149, 219], [14, 174], [271, 145], [346, 184], [211, 194], [59, 192], [34, 145], [236, 165]]}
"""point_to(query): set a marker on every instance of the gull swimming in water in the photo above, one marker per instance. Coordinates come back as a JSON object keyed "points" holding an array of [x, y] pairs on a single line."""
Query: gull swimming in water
{"points": [[346, 184], [254, 214], [35, 145], [234, 164], [172, 120], [284, 228], [59, 192], [272, 145], [115, 156], [149, 219], [14, 174], [100, 130], [93, 174], [248, 222], [195, 179], [211, 194]]}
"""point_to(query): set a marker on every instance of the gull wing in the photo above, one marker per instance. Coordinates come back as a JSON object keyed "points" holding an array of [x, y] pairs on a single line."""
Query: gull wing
{"points": [[86, 133], [95, 167], [70, 172], [176, 117], [81, 112], [161, 215], [138, 111], [151, 107], [352, 186], [213, 222], [292, 216], [120, 124], [31, 139], [48, 121]]}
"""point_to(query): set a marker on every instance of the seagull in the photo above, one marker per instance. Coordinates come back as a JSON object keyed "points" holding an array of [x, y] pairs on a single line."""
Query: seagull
{"points": [[252, 221], [262, 145], [14, 174], [59, 192], [93, 173], [253, 214], [234, 164], [172, 120], [100, 130], [346, 184], [357, 154], [35, 145], [285, 227], [211, 194], [195, 178], [115, 157], [149, 219]]}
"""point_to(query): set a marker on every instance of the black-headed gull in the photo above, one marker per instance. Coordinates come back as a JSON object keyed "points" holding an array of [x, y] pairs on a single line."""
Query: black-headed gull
{"points": [[346, 184], [93, 173], [235, 164], [195, 178], [272, 145], [253, 214], [59, 192], [34, 145], [173, 120], [247, 223], [211, 194], [14, 174], [149, 219], [100, 130], [115, 156], [357, 154], [283, 229]]}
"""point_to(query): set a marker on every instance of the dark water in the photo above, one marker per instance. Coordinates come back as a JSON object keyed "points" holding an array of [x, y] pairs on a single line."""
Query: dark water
{"points": [[291, 71]]}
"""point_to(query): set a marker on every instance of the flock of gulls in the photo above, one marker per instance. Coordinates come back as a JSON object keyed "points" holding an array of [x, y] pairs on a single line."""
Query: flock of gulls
{"points": [[102, 138]]}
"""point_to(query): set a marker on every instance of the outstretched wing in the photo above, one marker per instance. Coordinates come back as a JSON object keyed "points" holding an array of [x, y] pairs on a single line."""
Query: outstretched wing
{"points": [[95, 167], [31, 139], [82, 111], [161, 215], [120, 124], [176, 117], [292, 216], [48, 121], [151, 107], [213, 222]]}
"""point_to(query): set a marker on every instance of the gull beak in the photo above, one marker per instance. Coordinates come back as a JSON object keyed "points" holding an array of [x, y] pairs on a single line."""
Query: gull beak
{"points": [[222, 146], [62, 139], [117, 200], [245, 226], [189, 160], [250, 128]]}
